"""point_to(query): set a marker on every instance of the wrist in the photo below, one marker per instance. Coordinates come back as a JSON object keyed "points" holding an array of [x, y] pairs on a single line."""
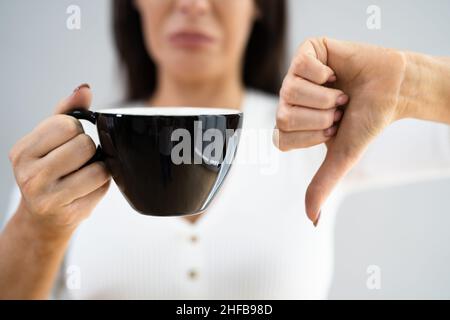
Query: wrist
{"points": [[424, 92], [410, 88], [39, 233]]}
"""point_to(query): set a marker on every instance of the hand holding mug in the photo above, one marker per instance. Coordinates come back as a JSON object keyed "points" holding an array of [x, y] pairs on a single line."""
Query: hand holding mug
{"points": [[58, 189]]}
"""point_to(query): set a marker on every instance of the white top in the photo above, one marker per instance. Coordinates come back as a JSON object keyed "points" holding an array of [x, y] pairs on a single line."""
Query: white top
{"points": [[255, 242]]}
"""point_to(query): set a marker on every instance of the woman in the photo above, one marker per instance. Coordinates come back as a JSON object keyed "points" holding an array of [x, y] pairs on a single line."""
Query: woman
{"points": [[253, 242]]}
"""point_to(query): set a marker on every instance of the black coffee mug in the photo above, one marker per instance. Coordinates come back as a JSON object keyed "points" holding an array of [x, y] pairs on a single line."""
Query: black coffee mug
{"points": [[168, 161]]}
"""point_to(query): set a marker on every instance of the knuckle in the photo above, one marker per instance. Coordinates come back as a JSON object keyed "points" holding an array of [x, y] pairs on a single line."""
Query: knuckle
{"points": [[287, 91], [104, 187], [282, 144], [23, 179], [300, 63], [86, 144], [284, 148], [17, 152], [324, 76], [14, 155], [308, 40], [99, 171], [26, 178], [283, 119], [28, 185], [311, 39], [68, 126], [327, 120], [283, 91], [328, 101]]}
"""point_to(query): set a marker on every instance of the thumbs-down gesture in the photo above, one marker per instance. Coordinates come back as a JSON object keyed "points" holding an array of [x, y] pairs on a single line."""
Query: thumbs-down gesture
{"points": [[343, 94]]}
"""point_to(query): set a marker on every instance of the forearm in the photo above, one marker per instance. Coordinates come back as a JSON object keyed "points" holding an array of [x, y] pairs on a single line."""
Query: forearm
{"points": [[425, 92], [29, 259]]}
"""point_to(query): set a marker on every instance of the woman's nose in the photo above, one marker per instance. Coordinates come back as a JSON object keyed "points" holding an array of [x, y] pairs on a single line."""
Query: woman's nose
{"points": [[193, 7]]}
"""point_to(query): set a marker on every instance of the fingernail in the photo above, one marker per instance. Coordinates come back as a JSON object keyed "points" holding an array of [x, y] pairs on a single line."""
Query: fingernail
{"points": [[276, 137], [338, 115], [317, 219], [342, 99], [84, 85], [332, 78], [330, 131]]}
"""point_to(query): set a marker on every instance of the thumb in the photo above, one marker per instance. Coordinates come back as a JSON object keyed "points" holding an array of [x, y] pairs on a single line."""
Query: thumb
{"points": [[343, 153], [341, 55], [340, 48], [81, 98]]}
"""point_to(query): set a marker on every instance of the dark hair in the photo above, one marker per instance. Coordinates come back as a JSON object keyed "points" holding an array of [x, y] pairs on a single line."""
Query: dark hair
{"points": [[264, 57]]}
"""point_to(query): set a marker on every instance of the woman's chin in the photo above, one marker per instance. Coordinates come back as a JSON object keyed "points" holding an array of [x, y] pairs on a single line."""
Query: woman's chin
{"points": [[195, 76], [195, 69]]}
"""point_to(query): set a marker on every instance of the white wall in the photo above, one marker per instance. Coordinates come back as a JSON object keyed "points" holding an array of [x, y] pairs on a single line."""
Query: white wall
{"points": [[403, 230]]}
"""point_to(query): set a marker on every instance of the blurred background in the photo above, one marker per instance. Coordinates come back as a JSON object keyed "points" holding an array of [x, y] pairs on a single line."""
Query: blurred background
{"points": [[401, 229]]}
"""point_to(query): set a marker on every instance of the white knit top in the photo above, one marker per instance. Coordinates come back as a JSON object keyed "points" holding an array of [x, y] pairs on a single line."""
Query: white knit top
{"points": [[255, 241]]}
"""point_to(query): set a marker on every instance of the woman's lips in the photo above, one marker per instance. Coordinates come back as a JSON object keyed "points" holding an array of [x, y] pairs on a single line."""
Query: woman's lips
{"points": [[190, 39]]}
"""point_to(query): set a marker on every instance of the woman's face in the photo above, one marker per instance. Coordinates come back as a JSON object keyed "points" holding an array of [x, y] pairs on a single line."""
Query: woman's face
{"points": [[197, 40]]}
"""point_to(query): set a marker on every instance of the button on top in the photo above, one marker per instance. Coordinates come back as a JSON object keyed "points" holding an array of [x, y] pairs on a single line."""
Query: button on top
{"points": [[193, 239], [193, 274]]}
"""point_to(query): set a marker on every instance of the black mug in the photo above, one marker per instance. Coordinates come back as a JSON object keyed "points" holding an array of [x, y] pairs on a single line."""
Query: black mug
{"points": [[168, 161]]}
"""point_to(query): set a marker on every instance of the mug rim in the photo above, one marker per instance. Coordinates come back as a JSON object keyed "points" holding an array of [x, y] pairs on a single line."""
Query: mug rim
{"points": [[169, 111]]}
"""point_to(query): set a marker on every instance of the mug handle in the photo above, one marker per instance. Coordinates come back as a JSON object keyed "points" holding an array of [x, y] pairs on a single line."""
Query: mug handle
{"points": [[83, 114]]}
